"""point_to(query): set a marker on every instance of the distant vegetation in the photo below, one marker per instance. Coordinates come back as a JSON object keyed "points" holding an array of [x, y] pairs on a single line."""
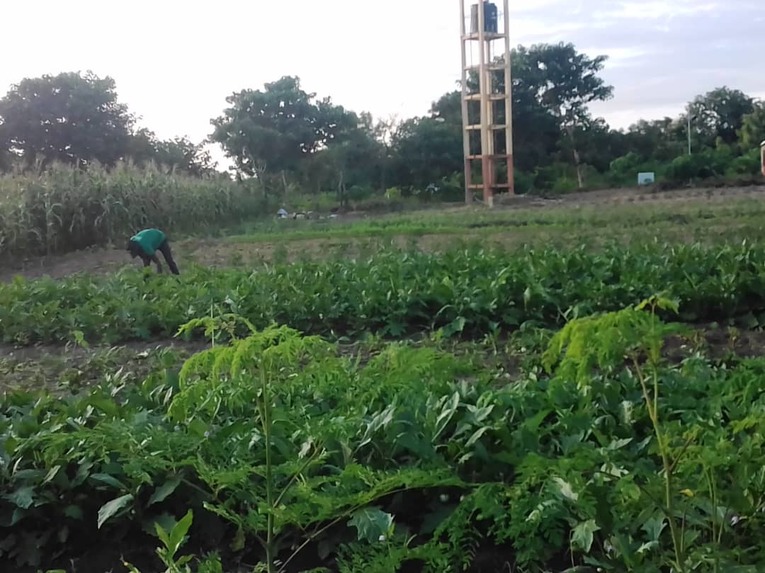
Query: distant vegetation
{"points": [[79, 172]]}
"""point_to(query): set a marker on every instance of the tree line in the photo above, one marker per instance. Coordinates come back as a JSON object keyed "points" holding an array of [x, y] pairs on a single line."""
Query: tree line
{"points": [[288, 137]]}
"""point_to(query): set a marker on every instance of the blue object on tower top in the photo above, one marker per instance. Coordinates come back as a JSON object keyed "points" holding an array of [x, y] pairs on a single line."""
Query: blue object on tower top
{"points": [[490, 18]]}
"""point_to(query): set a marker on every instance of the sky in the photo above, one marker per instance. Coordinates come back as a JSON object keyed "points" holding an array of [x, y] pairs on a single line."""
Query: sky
{"points": [[175, 62]]}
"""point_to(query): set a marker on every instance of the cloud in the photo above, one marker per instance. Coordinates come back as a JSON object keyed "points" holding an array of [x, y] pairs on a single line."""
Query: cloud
{"points": [[175, 62], [662, 54]]}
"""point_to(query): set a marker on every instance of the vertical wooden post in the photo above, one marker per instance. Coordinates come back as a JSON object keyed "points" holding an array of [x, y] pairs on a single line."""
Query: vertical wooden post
{"points": [[485, 103], [508, 103], [465, 110]]}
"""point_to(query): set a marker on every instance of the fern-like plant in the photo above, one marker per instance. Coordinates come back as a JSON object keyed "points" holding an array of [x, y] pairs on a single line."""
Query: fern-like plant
{"points": [[636, 336]]}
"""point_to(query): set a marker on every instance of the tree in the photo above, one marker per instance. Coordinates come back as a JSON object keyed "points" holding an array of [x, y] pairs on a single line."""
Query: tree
{"points": [[719, 115], [69, 117], [354, 159], [426, 149], [274, 129], [565, 82], [660, 139], [183, 154], [599, 144], [448, 108], [534, 124], [552, 87], [179, 153], [752, 132]]}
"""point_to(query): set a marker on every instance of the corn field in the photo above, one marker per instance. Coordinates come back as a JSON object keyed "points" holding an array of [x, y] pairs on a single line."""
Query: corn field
{"points": [[63, 208]]}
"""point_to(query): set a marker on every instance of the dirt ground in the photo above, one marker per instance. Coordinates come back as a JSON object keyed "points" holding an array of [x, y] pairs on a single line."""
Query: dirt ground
{"points": [[63, 369], [222, 252]]}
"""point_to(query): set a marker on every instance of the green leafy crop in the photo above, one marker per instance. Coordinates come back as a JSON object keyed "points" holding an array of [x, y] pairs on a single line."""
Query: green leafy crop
{"points": [[297, 456], [467, 291]]}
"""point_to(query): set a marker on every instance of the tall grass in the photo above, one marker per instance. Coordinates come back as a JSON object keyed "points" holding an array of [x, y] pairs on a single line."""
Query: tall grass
{"points": [[63, 208]]}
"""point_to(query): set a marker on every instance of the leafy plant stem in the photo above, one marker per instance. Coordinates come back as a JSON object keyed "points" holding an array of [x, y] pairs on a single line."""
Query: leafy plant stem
{"points": [[653, 413], [295, 476], [270, 546]]}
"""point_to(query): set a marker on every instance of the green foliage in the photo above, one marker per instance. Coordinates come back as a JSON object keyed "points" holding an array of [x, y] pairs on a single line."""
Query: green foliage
{"points": [[612, 458], [696, 533], [70, 118], [426, 150], [719, 115], [178, 154], [172, 539], [274, 129], [753, 127], [471, 291], [296, 441], [64, 208]]}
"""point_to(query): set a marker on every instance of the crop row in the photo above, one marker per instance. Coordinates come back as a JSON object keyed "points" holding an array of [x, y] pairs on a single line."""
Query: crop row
{"points": [[332, 462], [64, 208], [464, 291]]}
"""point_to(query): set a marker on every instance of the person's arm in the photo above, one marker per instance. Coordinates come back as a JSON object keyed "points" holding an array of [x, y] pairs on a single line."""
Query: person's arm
{"points": [[147, 260]]}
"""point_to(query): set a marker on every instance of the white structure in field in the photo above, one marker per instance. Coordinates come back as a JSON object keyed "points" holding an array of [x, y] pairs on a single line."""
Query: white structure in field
{"points": [[646, 178]]}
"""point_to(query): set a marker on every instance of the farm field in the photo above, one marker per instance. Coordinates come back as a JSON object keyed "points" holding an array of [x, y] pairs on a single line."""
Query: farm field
{"points": [[579, 218], [562, 386]]}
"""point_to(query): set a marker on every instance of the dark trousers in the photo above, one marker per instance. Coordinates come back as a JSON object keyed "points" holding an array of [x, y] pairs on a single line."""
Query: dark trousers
{"points": [[164, 248]]}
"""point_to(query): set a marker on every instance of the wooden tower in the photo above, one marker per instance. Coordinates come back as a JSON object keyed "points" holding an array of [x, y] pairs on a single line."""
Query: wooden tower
{"points": [[487, 139]]}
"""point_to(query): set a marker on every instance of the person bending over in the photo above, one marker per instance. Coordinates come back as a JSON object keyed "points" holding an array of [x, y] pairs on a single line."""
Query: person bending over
{"points": [[146, 243]]}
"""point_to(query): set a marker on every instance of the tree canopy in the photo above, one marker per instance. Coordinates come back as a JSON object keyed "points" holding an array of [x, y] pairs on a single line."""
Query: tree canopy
{"points": [[69, 117], [77, 119], [275, 128], [292, 138]]}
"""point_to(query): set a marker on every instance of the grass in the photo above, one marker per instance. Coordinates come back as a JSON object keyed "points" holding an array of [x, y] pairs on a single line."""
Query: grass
{"points": [[614, 218]]}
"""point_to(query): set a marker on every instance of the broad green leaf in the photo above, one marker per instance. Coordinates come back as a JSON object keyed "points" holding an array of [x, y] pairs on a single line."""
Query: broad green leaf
{"points": [[73, 511], [51, 474], [477, 436], [654, 526], [164, 520], [167, 488], [565, 489], [583, 535], [179, 531], [455, 327], [111, 508], [371, 523], [109, 480], [22, 497]]}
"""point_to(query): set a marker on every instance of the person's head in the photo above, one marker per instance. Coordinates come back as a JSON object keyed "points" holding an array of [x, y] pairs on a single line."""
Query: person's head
{"points": [[133, 248]]}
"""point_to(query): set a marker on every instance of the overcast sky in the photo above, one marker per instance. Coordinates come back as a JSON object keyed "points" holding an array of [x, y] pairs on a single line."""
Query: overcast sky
{"points": [[175, 61]]}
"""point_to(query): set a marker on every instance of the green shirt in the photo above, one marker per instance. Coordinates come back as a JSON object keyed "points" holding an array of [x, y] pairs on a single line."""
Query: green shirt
{"points": [[149, 240]]}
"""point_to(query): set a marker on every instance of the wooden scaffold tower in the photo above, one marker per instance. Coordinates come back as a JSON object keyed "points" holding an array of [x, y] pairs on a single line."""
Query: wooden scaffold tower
{"points": [[487, 137]]}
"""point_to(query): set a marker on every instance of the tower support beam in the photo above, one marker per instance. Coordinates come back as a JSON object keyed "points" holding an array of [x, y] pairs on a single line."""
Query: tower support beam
{"points": [[486, 82]]}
